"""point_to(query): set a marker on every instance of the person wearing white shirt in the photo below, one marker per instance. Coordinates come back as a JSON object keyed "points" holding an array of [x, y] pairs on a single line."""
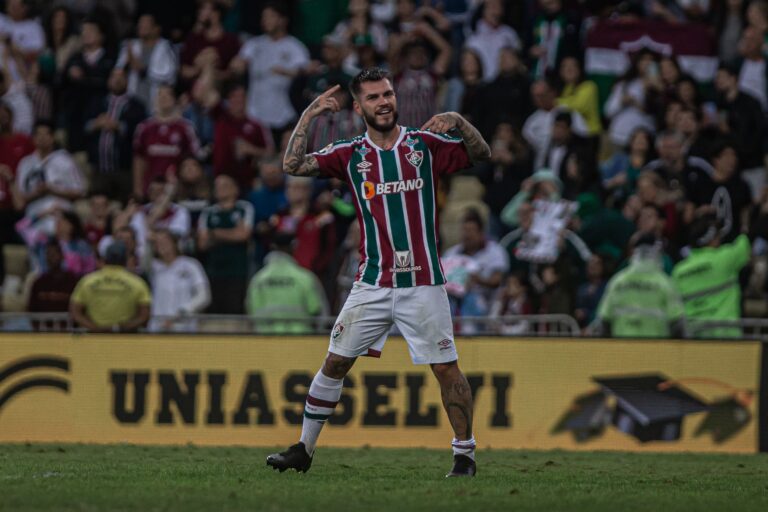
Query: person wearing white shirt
{"points": [[180, 287], [272, 61], [26, 36], [537, 129], [13, 95], [149, 60], [752, 75], [48, 178], [491, 36]]}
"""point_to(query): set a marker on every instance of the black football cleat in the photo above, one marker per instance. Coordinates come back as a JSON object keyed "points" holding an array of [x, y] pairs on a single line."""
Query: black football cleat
{"points": [[295, 457], [462, 466]]}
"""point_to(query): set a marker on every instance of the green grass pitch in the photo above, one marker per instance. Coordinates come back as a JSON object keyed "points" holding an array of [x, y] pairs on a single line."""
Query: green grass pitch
{"points": [[49, 477]]}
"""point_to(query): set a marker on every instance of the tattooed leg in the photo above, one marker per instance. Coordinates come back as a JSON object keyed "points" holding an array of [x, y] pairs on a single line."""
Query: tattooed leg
{"points": [[457, 398]]}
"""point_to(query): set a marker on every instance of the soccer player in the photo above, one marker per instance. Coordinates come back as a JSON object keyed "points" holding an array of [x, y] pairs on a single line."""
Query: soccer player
{"points": [[392, 171]]}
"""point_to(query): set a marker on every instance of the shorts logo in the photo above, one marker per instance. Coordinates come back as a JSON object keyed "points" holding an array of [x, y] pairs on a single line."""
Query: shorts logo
{"points": [[337, 330], [370, 189], [444, 344], [403, 262], [415, 158]]}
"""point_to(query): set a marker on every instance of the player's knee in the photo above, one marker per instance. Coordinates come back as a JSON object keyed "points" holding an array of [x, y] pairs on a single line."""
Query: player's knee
{"points": [[336, 366], [445, 370]]}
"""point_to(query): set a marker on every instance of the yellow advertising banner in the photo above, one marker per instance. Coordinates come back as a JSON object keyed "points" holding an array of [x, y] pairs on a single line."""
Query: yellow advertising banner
{"points": [[240, 390]]}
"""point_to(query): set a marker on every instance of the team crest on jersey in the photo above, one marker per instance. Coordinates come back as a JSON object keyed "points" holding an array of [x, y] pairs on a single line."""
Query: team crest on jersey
{"points": [[362, 151], [410, 142], [415, 158]]}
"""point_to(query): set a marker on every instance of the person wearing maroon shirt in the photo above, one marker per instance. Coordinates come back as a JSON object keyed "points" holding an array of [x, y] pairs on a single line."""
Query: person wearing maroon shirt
{"points": [[13, 147], [314, 230], [161, 142], [208, 44], [51, 291], [239, 140]]}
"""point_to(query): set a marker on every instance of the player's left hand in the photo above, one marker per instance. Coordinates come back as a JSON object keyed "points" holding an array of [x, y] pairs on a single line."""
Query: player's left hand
{"points": [[442, 123]]}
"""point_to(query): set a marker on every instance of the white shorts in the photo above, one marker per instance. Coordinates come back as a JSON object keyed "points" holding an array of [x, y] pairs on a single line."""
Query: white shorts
{"points": [[421, 314]]}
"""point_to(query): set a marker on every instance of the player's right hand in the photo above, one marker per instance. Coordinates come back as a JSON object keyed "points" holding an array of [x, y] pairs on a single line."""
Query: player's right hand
{"points": [[324, 102]]}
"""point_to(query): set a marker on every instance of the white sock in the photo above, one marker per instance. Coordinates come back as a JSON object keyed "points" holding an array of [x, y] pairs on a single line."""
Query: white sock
{"points": [[466, 447], [324, 394]]}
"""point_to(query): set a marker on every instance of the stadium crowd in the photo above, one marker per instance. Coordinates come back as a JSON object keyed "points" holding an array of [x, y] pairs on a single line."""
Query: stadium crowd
{"points": [[145, 139]]}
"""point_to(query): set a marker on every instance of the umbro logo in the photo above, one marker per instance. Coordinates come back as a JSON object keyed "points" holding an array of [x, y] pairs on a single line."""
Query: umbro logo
{"points": [[20, 377], [364, 166]]}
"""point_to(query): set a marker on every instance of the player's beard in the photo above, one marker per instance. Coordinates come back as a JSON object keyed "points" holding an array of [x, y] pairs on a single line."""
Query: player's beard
{"points": [[370, 120]]}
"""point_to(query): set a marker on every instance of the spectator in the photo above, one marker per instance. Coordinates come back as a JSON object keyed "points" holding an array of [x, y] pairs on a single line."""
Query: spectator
{"points": [[564, 146], [223, 234], [742, 119], [556, 298], [752, 66], [179, 286], [641, 301], [283, 296], [47, 179], [148, 60], [138, 259], [23, 37], [111, 299], [161, 142], [349, 265], [13, 95], [63, 42], [729, 25], [625, 107], [511, 300], [723, 192], [208, 44], [538, 127], [267, 199], [68, 233], [491, 262], [52, 289], [239, 140], [589, 293], [319, 76], [506, 98], [272, 61], [555, 34], [85, 77], [13, 147], [708, 278], [417, 80], [98, 222], [620, 172], [160, 213], [462, 91], [680, 173], [193, 191], [110, 126], [313, 229], [580, 95], [502, 177], [360, 23], [490, 36], [544, 184]]}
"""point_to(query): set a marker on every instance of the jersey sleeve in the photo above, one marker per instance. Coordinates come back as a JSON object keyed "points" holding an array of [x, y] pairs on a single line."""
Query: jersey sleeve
{"points": [[79, 294], [449, 154], [332, 160], [737, 253]]}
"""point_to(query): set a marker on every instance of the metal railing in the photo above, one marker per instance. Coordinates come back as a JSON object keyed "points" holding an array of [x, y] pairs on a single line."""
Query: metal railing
{"points": [[517, 325]]}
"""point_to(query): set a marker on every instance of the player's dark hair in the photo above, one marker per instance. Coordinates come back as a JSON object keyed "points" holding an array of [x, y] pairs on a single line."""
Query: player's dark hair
{"points": [[366, 75]]}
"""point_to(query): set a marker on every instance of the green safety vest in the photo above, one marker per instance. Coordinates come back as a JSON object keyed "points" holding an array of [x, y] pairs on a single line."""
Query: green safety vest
{"points": [[708, 280], [284, 290], [640, 302]]}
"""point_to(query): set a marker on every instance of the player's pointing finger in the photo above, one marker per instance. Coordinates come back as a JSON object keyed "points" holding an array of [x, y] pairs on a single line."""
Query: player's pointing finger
{"points": [[331, 90]]}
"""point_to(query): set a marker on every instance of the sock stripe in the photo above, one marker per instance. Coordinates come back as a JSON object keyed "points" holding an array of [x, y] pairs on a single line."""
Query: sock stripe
{"points": [[318, 417], [317, 402]]}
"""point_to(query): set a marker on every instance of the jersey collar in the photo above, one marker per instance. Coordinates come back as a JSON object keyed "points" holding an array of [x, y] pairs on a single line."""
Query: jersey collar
{"points": [[397, 142]]}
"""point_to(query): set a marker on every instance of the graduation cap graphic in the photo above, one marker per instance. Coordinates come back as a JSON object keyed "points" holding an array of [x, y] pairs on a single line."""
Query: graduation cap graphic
{"points": [[647, 407], [586, 418]]}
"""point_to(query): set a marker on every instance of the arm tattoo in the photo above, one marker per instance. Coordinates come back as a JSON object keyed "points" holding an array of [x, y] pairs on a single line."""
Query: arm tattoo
{"points": [[296, 160], [478, 149]]}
